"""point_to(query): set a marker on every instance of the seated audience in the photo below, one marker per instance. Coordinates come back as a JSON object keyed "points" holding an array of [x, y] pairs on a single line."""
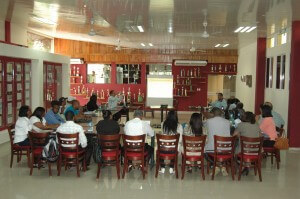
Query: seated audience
{"points": [[22, 126], [52, 116], [195, 125], [247, 128], [75, 108], [113, 102], [92, 104], [107, 126], [70, 127], [267, 126], [62, 105], [239, 110], [69, 102], [279, 122], [216, 126], [171, 127], [220, 103], [137, 126], [39, 123]]}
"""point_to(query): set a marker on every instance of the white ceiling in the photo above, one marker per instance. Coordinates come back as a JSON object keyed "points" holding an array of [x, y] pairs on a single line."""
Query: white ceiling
{"points": [[171, 24]]}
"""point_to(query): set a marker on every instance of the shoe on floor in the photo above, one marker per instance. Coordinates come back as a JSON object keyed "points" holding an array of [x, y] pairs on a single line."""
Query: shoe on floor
{"points": [[217, 171], [162, 170], [224, 172], [171, 171]]}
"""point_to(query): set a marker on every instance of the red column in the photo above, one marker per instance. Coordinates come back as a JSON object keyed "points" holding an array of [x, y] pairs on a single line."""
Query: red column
{"points": [[294, 94], [7, 32], [260, 73]]}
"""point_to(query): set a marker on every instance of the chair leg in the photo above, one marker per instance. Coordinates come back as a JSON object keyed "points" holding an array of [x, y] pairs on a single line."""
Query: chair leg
{"points": [[240, 170], [202, 169], [31, 166], [28, 158], [124, 167], [143, 168], [59, 165], [176, 166], [11, 159], [259, 170], [214, 168], [255, 168], [77, 167], [157, 165], [232, 168], [272, 155], [49, 167], [207, 168], [118, 168], [277, 158], [182, 167], [98, 171]]}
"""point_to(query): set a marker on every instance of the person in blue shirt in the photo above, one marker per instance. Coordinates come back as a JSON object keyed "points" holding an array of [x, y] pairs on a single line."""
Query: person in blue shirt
{"points": [[52, 116], [75, 109], [220, 103]]}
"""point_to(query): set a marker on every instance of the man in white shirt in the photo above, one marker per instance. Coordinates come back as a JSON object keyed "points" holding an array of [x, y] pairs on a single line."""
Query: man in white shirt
{"points": [[216, 126], [70, 127], [137, 126]]}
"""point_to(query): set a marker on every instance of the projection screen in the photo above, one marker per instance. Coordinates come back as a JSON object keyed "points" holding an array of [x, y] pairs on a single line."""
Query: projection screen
{"points": [[159, 90]]}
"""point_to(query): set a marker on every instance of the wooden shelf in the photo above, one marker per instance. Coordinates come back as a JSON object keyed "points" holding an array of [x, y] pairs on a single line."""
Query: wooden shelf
{"points": [[189, 77], [178, 96]]}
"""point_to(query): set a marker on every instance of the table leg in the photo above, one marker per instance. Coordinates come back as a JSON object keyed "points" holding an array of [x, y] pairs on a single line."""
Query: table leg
{"points": [[152, 161], [161, 115]]}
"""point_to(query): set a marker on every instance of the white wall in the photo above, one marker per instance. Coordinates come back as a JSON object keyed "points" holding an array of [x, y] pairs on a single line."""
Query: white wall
{"points": [[37, 58], [2, 32], [18, 34], [247, 66], [280, 97]]}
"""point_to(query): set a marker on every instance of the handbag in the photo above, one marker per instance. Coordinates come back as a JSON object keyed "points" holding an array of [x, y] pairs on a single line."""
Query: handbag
{"points": [[282, 143]]}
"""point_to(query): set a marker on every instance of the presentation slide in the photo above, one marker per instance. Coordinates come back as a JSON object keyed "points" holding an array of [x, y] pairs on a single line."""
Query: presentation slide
{"points": [[159, 90]]}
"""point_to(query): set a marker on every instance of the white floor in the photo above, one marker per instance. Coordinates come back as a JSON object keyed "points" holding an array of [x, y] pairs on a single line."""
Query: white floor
{"points": [[16, 183]]}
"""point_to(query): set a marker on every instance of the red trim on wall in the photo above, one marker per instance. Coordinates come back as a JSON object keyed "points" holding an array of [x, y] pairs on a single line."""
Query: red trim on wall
{"points": [[7, 32], [294, 94], [260, 73]]}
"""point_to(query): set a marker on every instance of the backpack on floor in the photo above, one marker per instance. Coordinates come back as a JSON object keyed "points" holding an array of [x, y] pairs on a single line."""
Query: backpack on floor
{"points": [[50, 151]]}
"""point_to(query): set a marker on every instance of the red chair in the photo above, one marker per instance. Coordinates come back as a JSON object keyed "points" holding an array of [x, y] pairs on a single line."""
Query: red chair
{"points": [[17, 150], [134, 151], [223, 154], [167, 149], [37, 143], [250, 155], [110, 152], [70, 153], [193, 152]]}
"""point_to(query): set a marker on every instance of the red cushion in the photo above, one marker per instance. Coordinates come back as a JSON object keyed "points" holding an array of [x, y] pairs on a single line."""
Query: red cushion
{"points": [[132, 154], [219, 156], [37, 151], [251, 157], [167, 155], [109, 154], [72, 152]]}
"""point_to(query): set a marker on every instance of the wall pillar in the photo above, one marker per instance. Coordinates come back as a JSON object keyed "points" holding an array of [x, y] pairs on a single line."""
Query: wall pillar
{"points": [[260, 73], [294, 94]]}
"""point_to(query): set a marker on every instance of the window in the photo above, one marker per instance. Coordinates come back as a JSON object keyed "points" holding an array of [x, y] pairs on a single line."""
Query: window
{"points": [[128, 74], [282, 38], [280, 72], [269, 72]]}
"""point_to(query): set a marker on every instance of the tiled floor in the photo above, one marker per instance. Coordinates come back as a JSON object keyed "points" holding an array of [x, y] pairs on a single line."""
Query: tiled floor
{"points": [[16, 183]]}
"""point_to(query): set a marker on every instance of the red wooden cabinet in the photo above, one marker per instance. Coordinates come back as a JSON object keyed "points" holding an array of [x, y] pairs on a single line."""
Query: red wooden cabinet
{"points": [[15, 88]]}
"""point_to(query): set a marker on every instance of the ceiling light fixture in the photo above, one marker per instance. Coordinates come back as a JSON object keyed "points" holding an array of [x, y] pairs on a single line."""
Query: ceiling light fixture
{"points": [[150, 44], [140, 28], [143, 44], [216, 46], [43, 20], [225, 45], [239, 29], [252, 28], [170, 30], [245, 29]]}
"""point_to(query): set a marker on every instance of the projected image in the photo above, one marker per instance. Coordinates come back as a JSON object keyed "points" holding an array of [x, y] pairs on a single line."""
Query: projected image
{"points": [[159, 90]]}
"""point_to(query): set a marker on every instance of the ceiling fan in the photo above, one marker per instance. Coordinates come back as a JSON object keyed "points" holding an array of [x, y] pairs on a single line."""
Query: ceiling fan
{"points": [[118, 47], [92, 31], [205, 34], [193, 49]]}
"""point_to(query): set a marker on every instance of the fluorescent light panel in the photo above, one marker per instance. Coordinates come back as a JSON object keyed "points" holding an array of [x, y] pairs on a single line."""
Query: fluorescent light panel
{"points": [[150, 44], [141, 29], [225, 45], [143, 44], [217, 45], [252, 28], [245, 29], [239, 29], [43, 20]]}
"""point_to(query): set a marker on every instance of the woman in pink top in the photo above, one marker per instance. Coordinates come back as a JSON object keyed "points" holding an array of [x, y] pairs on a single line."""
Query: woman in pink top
{"points": [[267, 126]]}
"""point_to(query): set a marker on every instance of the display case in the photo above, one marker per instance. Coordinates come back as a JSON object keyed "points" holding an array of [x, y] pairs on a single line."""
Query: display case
{"points": [[52, 83], [13, 88], [128, 74]]}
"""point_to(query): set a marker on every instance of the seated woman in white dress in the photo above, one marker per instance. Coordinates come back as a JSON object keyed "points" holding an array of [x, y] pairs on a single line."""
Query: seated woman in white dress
{"points": [[171, 127], [38, 121], [23, 126]]}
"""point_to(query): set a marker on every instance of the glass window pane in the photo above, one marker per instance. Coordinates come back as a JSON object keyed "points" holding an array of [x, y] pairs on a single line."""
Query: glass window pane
{"points": [[98, 73], [282, 78], [278, 72]]}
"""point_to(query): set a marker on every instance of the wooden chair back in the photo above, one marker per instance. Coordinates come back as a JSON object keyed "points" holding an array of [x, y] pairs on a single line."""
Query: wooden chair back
{"points": [[224, 145], [11, 133], [193, 144], [109, 143], [135, 144], [167, 143], [251, 146], [38, 140], [68, 142]]}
